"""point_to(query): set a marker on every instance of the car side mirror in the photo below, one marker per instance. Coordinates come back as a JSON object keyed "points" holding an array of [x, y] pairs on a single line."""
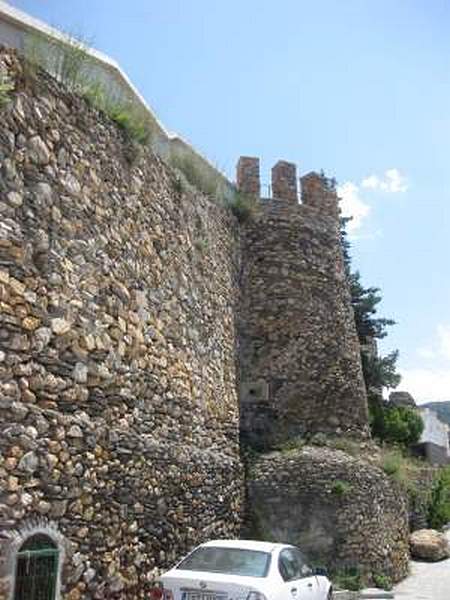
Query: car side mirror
{"points": [[320, 571]]}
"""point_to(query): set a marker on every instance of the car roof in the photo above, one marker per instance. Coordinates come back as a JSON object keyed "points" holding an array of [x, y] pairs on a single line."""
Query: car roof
{"points": [[245, 545]]}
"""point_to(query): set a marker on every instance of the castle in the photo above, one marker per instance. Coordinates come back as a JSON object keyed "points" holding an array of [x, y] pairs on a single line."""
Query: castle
{"points": [[144, 332]]}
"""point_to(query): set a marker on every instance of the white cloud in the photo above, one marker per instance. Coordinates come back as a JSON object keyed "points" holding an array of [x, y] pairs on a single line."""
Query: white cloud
{"points": [[427, 385], [372, 182], [443, 332], [352, 205], [392, 181], [431, 383], [426, 352]]}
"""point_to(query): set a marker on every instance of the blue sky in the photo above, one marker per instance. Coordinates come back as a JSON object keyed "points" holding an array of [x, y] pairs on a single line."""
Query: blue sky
{"points": [[359, 88]]}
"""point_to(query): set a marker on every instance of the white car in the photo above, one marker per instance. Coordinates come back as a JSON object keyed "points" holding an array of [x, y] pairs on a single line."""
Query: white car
{"points": [[243, 570]]}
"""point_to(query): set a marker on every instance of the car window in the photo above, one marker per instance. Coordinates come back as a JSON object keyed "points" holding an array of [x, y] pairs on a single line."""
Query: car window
{"points": [[233, 561], [292, 564]]}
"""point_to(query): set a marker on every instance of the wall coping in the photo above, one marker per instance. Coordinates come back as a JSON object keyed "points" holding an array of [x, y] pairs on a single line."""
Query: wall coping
{"points": [[19, 23]]}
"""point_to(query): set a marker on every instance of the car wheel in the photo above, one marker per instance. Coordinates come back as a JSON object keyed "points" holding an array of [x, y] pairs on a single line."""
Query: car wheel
{"points": [[330, 594]]}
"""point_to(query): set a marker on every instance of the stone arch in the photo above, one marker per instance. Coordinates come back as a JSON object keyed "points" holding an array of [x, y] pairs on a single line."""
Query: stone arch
{"points": [[22, 539], [36, 569]]}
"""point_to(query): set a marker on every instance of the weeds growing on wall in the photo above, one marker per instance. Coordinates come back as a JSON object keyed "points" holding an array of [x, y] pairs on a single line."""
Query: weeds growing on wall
{"points": [[130, 117], [68, 60], [6, 87], [341, 488], [212, 185], [198, 176], [242, 206]]}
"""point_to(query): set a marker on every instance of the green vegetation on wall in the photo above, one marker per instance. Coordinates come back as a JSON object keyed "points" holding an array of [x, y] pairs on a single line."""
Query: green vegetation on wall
{"points": [[65, 58], [213, 185], [6, 87], [68, 60]]}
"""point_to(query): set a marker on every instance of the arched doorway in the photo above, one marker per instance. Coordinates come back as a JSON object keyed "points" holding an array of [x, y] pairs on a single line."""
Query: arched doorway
{"points": [[36, 569]]}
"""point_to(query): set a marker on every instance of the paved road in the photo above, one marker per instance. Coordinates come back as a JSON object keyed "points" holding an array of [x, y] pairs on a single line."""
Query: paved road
{"points": [[428, 581]]}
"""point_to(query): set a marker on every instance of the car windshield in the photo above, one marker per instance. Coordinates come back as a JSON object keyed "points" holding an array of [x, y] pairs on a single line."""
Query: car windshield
{"points": [[232, 561]]}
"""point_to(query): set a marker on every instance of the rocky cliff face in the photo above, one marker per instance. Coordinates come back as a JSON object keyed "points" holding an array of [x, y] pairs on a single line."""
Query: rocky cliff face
{"points": [[118, 403]]}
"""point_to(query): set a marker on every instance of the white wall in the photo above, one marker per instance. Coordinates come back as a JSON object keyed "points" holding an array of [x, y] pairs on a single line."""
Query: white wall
{"points": [[435, 431]]}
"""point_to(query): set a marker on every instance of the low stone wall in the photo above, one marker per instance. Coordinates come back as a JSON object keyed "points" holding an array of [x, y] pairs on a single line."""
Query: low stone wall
{"points": [[339, 509]]}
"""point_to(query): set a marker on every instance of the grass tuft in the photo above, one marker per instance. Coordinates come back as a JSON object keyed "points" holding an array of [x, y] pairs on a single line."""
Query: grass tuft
{"points": [[341, 488], [197, 175], [242, 206], [6, 87], [68, 60]]}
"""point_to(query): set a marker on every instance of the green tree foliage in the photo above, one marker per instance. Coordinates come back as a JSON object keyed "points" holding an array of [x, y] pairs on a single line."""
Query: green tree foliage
{"points": [[379, 371], [402, 425], [398, 425], [439, 507]]}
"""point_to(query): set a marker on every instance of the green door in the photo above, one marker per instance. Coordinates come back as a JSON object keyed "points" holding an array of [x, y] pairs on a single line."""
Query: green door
{"points": [[36, 569]]}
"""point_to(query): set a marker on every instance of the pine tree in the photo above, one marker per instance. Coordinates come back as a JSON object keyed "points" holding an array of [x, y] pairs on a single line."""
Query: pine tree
{"points": [[379, 371], [396, 425]]}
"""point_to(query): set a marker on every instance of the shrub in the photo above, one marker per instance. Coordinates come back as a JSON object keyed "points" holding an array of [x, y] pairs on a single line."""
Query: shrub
{"points": [[242, 206], [130, 117], [439, 507], [382, 581], [6, 87], [395, 424], [402, 425], [349, 578], [341, 488]]}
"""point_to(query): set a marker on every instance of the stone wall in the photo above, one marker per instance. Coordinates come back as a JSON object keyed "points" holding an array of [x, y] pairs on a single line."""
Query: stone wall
{"points": [[118, 292], [300, 362], [341, 510]]}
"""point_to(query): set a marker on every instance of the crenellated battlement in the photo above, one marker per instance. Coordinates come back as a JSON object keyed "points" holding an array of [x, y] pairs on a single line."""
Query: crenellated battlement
{"points": [[284, 181], [247, 176], [312, 190]]}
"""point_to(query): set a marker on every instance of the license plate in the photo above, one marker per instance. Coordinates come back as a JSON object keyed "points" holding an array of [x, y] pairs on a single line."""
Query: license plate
{"points": [[201, 595]]}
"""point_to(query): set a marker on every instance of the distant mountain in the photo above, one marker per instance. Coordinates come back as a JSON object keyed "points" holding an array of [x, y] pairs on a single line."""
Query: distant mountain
{"points": [[441, 408]]}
